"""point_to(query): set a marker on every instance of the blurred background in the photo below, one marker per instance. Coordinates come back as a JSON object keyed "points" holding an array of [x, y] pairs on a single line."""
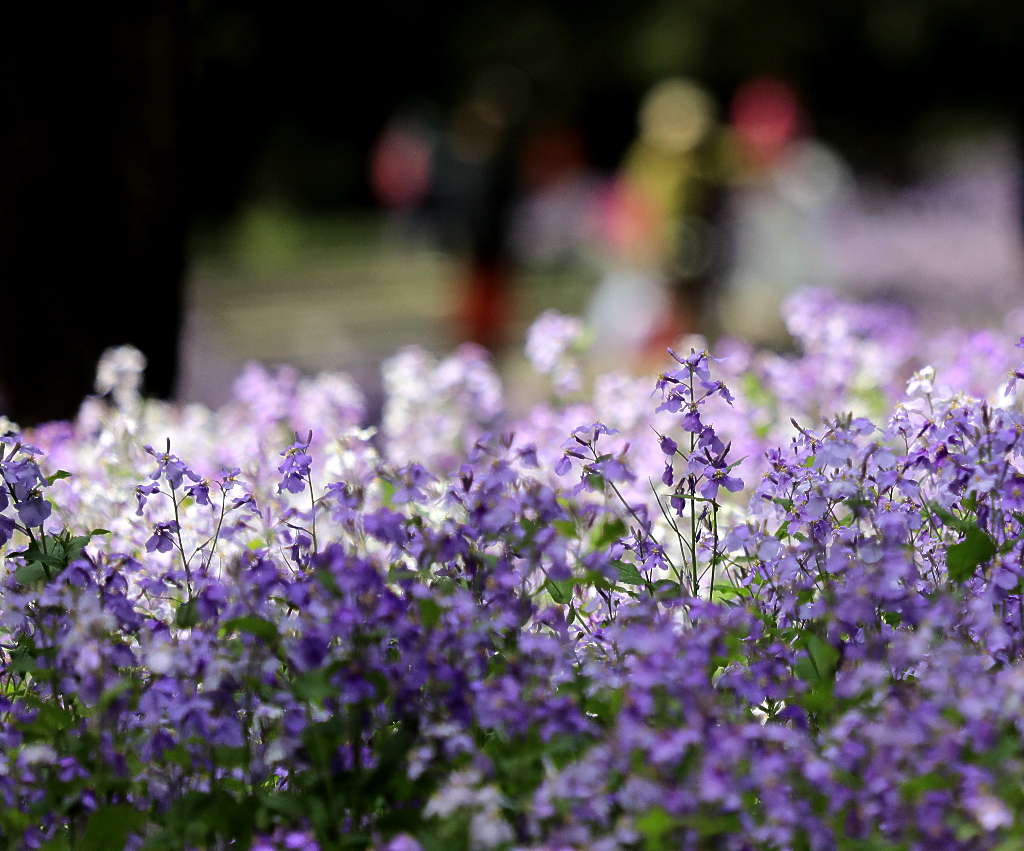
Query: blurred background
{"points": [[321, 185]]}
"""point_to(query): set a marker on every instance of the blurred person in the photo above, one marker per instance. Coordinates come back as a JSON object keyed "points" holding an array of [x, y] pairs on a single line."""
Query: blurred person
{"points": [[786, 185], [472, 194], [660, 223], [401, 163], [553, 220]]}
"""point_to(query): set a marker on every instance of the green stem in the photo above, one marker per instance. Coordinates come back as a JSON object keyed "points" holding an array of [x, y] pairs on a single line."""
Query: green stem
{"points": [[181, 545], [312, 510]]}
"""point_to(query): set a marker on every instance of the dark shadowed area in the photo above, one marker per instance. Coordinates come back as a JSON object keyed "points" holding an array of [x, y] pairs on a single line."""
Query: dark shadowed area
{"points": [[220, 182]]}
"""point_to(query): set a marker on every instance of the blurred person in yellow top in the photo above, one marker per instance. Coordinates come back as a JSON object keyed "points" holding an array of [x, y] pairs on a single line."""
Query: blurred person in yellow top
{"points": [[661, 223]]}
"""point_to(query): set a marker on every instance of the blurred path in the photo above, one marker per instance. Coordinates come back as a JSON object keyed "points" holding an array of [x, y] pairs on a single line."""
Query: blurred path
{"points": [[337, 299], [344, 294]]}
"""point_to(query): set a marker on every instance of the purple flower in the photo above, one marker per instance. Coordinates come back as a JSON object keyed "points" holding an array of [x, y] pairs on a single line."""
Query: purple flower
{"points": [[200, 492], [22, 476], [6, 529], [695, 362], [528, 456], [342, 494], [1013, 493], [171, 467], [69, 769], [719, 388], [34, 510], [403, 842], [691, 421], [162, 539], [668, 445], [386, 525], [245, 500], [296, 466], [298, 840], [671, 404], [715, 477], [613, 469], [412, 479], [142, 493]]}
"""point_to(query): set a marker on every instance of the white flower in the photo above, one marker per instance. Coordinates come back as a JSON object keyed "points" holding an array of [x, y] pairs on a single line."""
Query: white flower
{"points": [[160, 659], [120, 372], [457, 793], [990, 812], [922, 382], [488, 829], [36, 754]]}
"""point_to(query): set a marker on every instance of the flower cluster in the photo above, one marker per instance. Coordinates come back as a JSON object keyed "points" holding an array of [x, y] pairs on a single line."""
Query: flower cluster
{"points": [[777, 606]]}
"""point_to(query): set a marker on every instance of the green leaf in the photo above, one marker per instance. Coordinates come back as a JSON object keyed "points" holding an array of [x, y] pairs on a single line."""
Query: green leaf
{"points": [[713, 823], [595, 579], [326, 578], [73, 548], [654, 824], [229, 756], [110, 827], [186, 614], [397, 572], [387, 491], [50, 720], [313, 686], [48, 550], [916, 786], [259, 627], [60, 474], [95, 532], [667, 589], [892, 618], [962, 559], [628, 573], [824, 655], [818, 670], [113, 693], [725, 592], [566, 527], [609, 532], [430, 612], [31, 573], [560, 590], [949, 519], [605, 704]]}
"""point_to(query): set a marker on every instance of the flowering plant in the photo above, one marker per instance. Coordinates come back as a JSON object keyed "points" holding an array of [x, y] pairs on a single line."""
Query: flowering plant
{"points": [[779, 605]]}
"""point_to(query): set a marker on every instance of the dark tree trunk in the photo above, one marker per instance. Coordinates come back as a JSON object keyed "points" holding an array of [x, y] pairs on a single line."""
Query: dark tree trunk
{"points": [[92, 213]]}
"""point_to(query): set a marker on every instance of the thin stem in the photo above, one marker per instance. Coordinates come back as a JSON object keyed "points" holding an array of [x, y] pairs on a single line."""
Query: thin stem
{"points": [[220, 522], [692, 482], [679, 535], [312, 509], [714, 546], [181, 545]]}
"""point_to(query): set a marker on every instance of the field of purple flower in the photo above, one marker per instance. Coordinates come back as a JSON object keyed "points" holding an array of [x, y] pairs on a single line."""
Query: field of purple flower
{"points": [[758, 601]]}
